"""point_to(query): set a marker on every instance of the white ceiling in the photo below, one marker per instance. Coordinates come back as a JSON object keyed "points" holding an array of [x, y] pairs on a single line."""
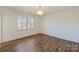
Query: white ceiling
{"points": [[46, 9]]}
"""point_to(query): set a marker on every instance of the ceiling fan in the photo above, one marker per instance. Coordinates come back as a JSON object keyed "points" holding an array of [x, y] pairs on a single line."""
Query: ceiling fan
{"points": [[40, 11]]}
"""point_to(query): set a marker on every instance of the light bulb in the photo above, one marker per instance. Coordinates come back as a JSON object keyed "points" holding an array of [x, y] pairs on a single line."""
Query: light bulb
{"points": [[40, 12]]}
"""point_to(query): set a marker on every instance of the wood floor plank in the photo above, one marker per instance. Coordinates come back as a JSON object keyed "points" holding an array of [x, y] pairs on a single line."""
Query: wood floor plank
{"points": [[39, 43]]}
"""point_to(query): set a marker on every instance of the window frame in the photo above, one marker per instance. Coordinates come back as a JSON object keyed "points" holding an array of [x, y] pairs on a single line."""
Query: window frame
{"points": [[26, 17]]}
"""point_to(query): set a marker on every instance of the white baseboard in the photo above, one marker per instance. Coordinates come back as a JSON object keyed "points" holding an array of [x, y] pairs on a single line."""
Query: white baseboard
{"points": [[61, 37]]}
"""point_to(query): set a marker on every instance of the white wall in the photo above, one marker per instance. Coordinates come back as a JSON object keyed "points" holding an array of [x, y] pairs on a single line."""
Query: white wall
{"points": [[0, 25], [9, 26], [64, 24], [0, 29]]}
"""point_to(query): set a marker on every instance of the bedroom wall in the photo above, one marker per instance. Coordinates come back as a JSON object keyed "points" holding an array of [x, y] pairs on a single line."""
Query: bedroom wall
{"points": [[0, 29], [63, 24], [0, 25], [9, 26]]}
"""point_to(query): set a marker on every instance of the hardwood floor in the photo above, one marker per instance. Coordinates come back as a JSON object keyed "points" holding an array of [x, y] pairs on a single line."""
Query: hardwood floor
{"points": [[39, 43]]}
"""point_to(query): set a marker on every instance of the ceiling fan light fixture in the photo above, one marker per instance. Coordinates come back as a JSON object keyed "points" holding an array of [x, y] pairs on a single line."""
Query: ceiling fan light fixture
{"points": [[40, 12]]}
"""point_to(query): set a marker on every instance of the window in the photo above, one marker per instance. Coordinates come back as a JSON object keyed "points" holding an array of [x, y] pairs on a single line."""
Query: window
{"points": [[30, 23], [21, 22], [25, 22]]}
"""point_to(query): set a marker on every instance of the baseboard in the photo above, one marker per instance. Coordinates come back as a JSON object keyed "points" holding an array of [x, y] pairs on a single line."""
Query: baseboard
{"points": [[59, 37], [4, 43]]}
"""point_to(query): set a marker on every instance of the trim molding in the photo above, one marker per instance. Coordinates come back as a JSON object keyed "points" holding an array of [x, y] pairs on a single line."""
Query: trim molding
{"points": [[7, 42], [4, 43]]}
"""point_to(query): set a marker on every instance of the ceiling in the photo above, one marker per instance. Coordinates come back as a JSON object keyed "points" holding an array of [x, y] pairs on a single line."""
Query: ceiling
{"points": [[46, 9]]}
